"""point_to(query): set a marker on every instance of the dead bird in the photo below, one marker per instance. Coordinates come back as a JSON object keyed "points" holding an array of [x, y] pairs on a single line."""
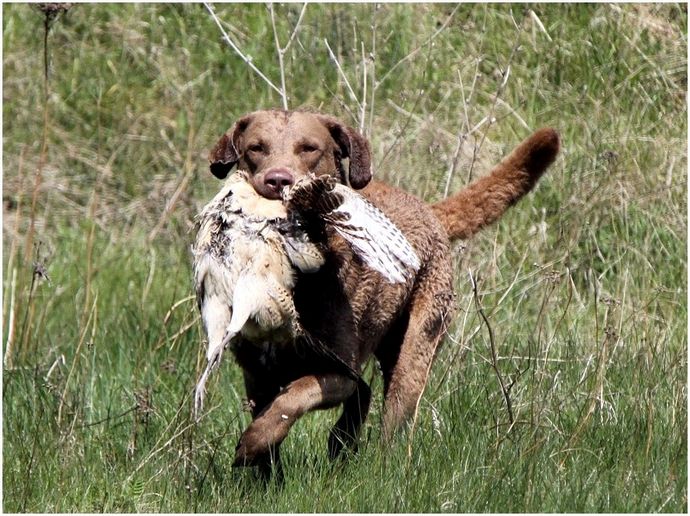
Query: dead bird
{"points": [[248, 249], [245, 256]]}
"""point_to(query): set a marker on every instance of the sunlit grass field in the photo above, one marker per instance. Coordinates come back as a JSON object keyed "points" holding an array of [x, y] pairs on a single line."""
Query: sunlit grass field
{"points": [[584, 282]]}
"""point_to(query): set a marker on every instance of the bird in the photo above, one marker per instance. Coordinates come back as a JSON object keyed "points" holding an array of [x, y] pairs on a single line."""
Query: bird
{"points": [[248, 250], [244, 260]]}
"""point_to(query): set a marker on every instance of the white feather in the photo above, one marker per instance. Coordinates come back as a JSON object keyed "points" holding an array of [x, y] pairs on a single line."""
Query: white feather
{"points": [[373, 236]]}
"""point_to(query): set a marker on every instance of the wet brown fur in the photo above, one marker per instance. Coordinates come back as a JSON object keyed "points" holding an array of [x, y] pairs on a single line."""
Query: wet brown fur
{"points": [[347, 306]]}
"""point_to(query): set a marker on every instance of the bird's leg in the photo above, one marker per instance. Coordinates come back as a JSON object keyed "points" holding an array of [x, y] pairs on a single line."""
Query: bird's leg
{"points": [[216, 315], [200, 390], [227, 337]]}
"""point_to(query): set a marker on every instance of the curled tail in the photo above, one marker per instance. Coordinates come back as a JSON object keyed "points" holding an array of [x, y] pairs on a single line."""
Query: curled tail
{"points": [[485, 200]]}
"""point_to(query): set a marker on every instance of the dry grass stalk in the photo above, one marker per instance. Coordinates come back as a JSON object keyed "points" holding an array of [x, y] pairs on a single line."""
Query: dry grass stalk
{"points": [[281, 51], [237, 50], [342, 75], [7, 360], [505, 74], [505, 389], [93, 316]]}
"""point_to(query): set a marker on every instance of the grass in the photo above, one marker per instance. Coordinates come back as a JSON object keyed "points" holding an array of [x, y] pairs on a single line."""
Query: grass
{"points": [[583, 283]]}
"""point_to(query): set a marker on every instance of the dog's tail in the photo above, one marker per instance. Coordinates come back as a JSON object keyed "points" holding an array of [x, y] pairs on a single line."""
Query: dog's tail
{"points": [[485, 200]]}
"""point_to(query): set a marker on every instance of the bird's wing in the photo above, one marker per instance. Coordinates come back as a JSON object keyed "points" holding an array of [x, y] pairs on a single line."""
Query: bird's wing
{"points": [[370, 233]]}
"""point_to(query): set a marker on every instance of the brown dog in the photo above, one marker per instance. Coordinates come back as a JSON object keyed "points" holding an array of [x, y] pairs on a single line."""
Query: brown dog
{"points": [[345, 305]]}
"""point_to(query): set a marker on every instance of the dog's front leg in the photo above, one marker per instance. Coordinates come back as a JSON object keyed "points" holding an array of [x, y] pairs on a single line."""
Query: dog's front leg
{"points": [[260, 392], [271, 426]]}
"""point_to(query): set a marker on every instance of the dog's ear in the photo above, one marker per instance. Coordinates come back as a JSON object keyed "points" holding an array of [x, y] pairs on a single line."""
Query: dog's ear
{"points": [[224, 155], [353, 146]]}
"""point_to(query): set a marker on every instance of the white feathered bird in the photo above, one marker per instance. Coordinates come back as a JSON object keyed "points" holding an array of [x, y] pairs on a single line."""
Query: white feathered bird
{"points": [[248, 249]]}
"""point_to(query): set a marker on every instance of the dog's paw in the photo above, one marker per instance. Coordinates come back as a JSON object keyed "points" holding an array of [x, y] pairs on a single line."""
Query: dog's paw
{"points": [[257, 441], [246, 455]]}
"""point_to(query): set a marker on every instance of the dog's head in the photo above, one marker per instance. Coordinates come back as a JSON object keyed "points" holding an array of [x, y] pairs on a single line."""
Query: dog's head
{"points": [[278, 148]]}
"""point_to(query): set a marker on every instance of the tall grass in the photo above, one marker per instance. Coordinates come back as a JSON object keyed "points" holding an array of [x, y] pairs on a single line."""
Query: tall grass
{"points": [[583, 284]]}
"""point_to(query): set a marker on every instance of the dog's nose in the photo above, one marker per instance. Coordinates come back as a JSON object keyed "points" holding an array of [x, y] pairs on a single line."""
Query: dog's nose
{"points": [[277, 179]]}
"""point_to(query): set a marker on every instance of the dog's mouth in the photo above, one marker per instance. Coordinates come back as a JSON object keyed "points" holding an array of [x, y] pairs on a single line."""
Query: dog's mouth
{"points": [[272, 194]]}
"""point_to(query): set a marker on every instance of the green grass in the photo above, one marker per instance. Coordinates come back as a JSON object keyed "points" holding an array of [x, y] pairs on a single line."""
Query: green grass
{"points": [[584, 282]]}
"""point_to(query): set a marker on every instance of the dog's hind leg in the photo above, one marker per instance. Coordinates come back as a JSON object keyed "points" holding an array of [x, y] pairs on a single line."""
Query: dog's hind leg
{"points": [[405, 375]]}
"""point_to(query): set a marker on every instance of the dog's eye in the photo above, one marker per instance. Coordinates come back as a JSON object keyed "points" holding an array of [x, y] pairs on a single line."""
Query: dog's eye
{"points": [[308, 149], [256, 147]]}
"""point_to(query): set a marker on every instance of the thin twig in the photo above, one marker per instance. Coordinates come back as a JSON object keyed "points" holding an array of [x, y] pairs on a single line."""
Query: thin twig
{"points": [[38, 419], [281, 65], [340, 101], [7, 361], [419, 120], [109, 418], [9, 265], [175, 305], [494, 356], [181, 187], [462, 136], [536, 20], [282, 51], [462, 348], [373, 70], [215, 446], [29, 310], [402, 131], [38, 177], [599, 378], [92, 313], [416, 50], [149, 278], [504, 80], [363, 110], [513, 111], [178, 334], [294, 31], [409, 118], [342, 75], [244, 58], [160, 447]]}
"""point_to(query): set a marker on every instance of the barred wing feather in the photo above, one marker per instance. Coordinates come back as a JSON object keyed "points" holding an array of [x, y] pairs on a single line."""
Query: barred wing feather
{"points": [[378, 241], [372, 235]]}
